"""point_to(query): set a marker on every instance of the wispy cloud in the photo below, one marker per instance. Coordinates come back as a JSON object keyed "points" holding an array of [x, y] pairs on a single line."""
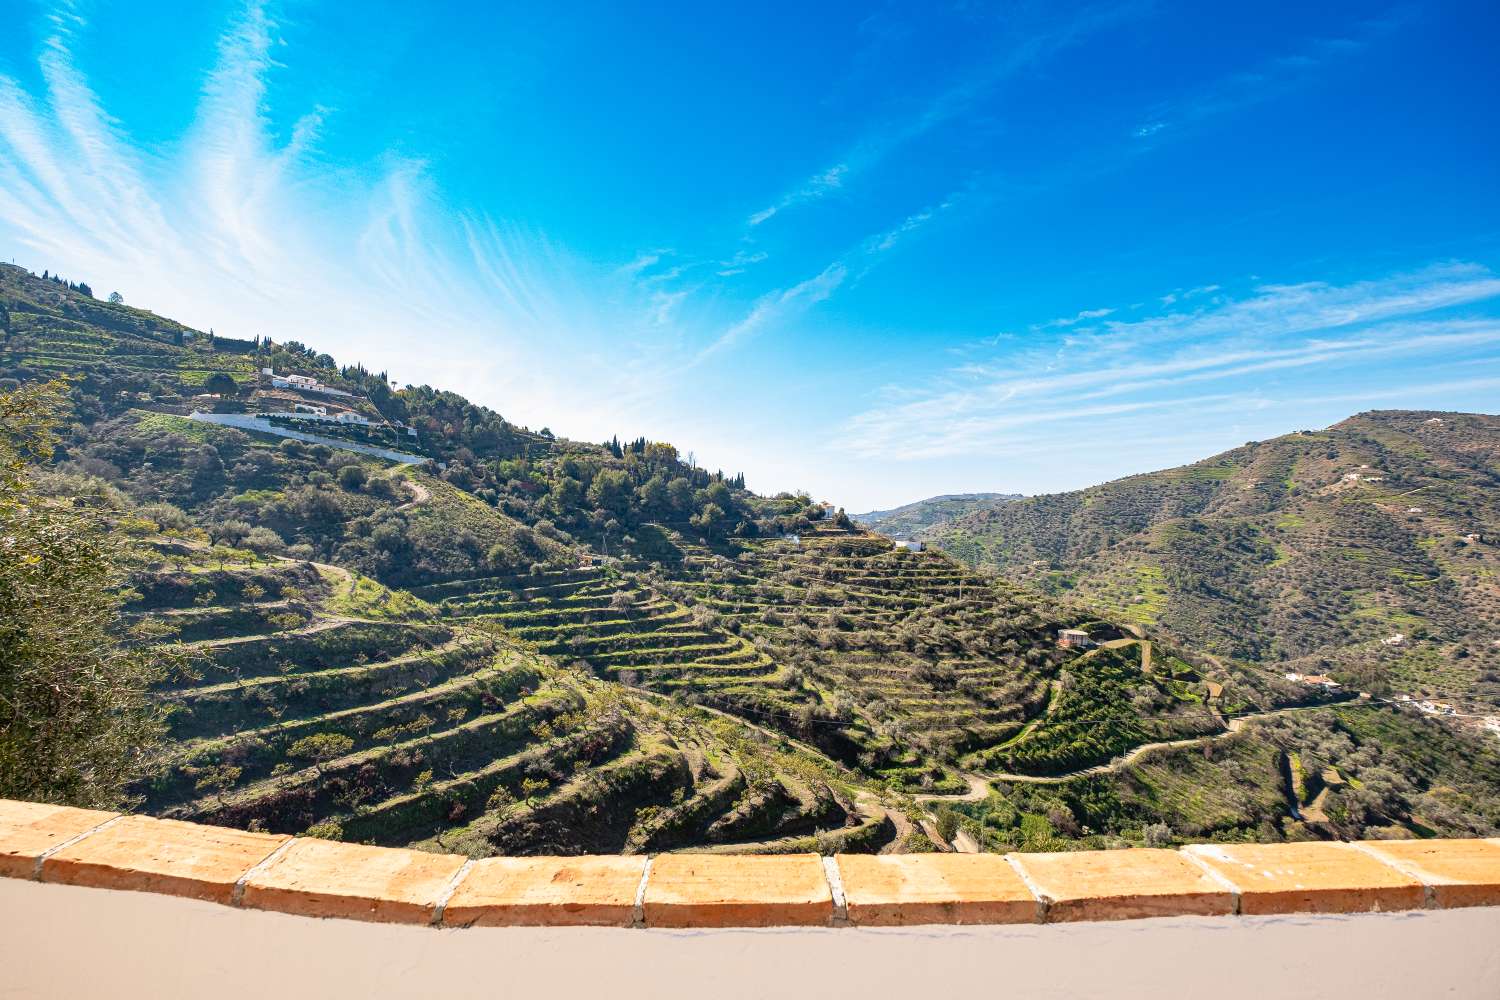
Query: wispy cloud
{"points": [[234, 230], [1022, 49], [815, 187], [777, 306], [1378, 327], [785, 303], [1272, 77]]}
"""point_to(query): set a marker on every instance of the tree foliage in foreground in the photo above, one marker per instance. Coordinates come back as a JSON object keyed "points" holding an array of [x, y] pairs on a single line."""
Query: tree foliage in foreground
{"points": [[75, 721]]}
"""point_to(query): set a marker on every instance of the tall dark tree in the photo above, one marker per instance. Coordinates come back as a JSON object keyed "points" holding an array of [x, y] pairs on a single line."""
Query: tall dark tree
{"points": [[221, 385]]}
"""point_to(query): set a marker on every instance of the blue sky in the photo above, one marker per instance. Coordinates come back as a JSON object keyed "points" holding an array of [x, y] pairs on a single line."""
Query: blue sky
{"points": [[874, 252]]}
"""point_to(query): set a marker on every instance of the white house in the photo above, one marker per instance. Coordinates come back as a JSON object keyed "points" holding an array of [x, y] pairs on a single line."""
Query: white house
{"points": [[350, 417], [1074, 638]]}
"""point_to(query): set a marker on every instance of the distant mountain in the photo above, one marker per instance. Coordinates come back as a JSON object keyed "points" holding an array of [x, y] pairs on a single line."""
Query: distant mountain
{"points": [[911, 519], [1370, 548]]}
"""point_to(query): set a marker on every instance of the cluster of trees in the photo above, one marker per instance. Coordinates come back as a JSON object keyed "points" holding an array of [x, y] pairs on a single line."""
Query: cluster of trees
{"points": [[76, 725], [73, 286]]}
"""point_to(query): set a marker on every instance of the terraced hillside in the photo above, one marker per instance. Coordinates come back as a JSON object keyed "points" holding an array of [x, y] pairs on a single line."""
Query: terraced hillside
{"points": [[316, 700], [1368, 549], [1345, 771]]}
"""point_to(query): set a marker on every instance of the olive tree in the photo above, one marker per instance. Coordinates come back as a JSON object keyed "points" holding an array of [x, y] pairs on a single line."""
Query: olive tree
{"points": [[76, 725]]}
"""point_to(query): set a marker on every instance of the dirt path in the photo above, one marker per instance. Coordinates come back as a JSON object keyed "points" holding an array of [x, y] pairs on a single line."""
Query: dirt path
{"points": [[1314, 812], [419, 494], [979, 790], [1235, 725]]}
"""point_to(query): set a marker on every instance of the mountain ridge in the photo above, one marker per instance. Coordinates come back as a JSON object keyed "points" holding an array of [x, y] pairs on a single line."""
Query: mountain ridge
{"points": [[909, 520], [1368, 543]]}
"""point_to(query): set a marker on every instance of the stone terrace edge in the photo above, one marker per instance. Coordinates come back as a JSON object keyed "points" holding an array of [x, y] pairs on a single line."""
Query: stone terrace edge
{"points": [[310, 877]]}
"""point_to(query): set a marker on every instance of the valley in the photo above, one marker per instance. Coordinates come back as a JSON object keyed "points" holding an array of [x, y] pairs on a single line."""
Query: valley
{"points": [[405, 620]]}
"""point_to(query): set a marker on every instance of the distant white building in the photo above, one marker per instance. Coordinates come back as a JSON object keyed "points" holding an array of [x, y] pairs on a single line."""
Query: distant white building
{"points": [[295, 382], [350, 417], [911, 545], [1317, 680], [1074, 638], [302, 383]]}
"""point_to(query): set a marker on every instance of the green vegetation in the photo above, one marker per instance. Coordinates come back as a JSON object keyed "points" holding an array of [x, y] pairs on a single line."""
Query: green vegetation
{"points": [[75, 723]]}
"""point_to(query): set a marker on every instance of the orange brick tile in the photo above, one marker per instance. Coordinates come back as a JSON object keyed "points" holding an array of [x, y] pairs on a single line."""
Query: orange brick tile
{"points": [[162, 855], [898, 889], [30, 829], [552, 892], [1121, 885], [718, 890], [1459, 872], [320, 878], [1319, 877]]}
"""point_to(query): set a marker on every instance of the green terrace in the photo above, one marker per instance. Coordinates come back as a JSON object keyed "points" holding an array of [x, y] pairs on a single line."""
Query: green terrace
{"points": [[295, 713]]}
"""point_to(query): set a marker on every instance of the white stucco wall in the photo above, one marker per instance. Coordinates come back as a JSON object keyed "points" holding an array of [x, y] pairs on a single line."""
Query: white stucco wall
{"points": [[61, 941]]}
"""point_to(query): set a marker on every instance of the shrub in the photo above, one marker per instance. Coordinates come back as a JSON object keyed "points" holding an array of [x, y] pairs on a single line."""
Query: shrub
{"points": [[353, 477]]}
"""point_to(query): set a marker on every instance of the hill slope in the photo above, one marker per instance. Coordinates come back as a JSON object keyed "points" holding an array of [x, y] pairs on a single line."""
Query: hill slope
{"points": [[911, 520], [1370, 548]]}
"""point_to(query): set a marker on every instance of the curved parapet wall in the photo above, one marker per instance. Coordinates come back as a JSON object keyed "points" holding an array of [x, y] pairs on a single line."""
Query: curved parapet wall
{"points": [[319, 878]]}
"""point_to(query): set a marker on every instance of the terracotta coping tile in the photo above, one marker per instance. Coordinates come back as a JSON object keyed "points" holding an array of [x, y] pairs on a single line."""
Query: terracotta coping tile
{"points": [[322, 878], [724, 890], [1122, 885], [329, 879], [1457, 872], [162, 855], [895, 889], [547, 892], [30, 829], [1314, 877]]}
